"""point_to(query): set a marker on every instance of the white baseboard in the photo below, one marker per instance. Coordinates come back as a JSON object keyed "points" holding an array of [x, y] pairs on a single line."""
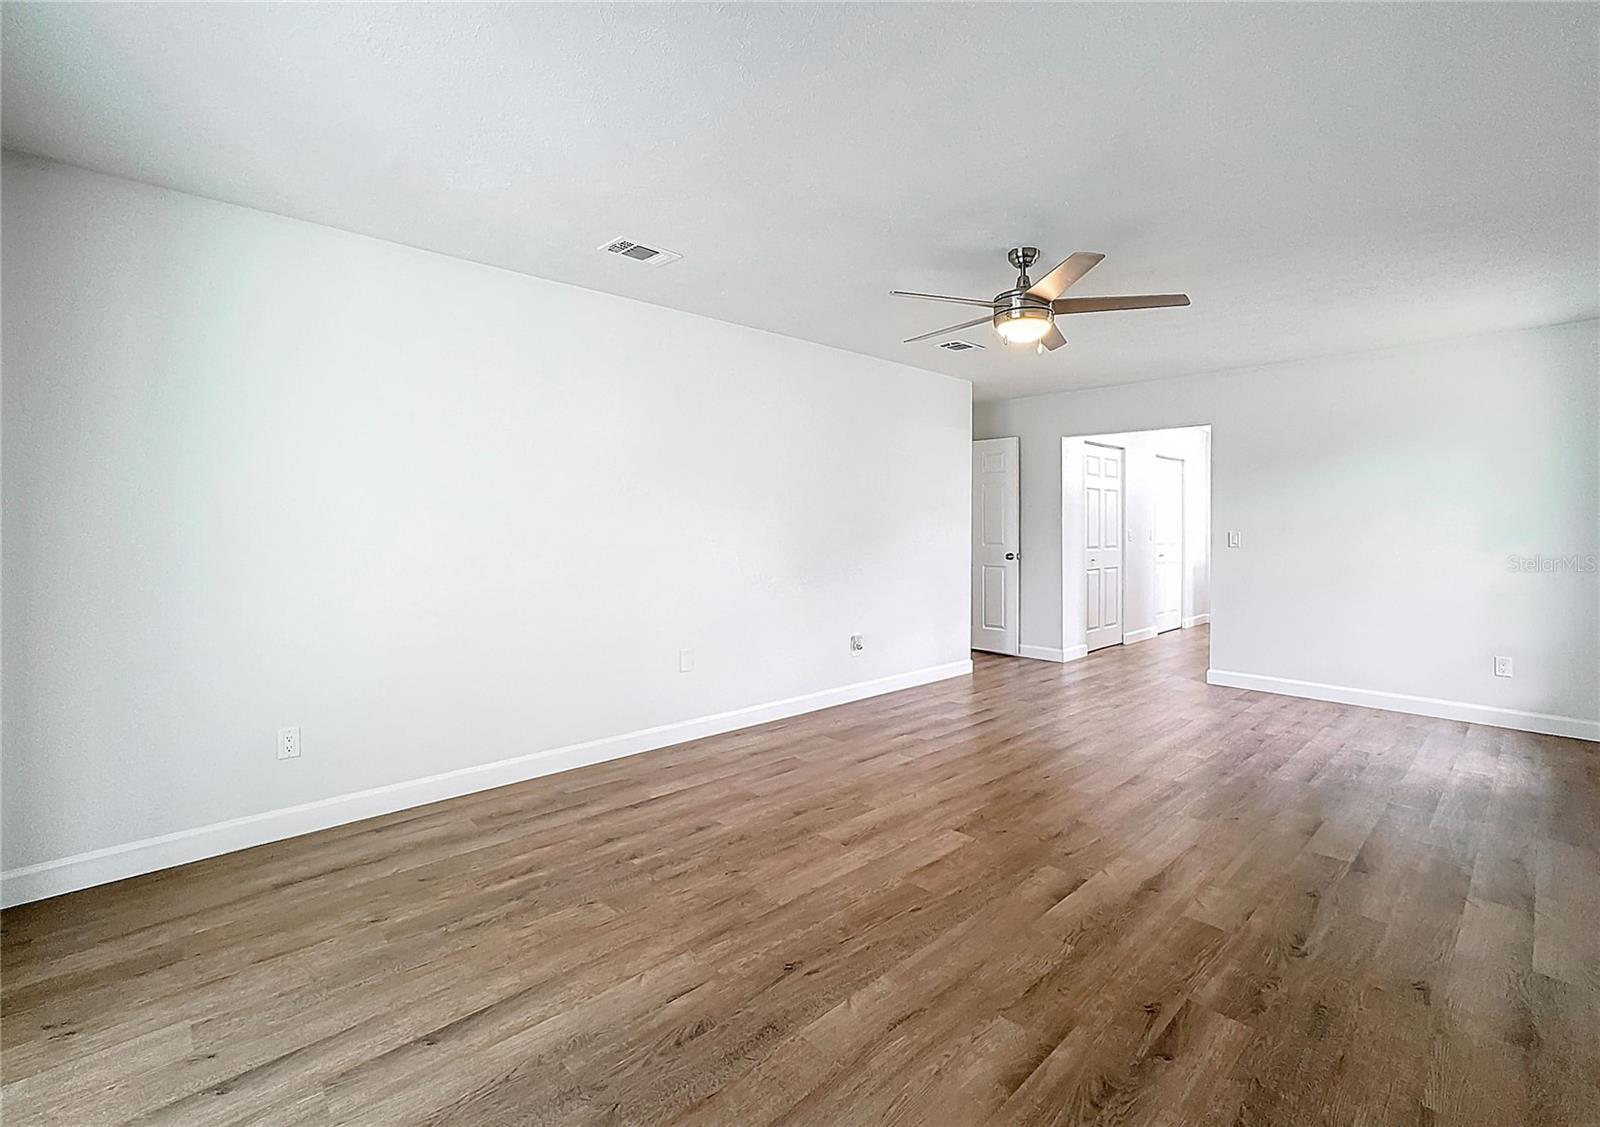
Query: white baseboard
{"points": [[1075, 653], [1542, 722], [1196, 620], [1133, 636], [101, 866]]}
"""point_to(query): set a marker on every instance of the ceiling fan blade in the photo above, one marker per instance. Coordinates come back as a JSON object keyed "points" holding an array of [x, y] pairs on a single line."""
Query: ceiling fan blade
{"points": [[944, 297], [1067, 271], [1106, 304], [949, 329], [1052, 340]]}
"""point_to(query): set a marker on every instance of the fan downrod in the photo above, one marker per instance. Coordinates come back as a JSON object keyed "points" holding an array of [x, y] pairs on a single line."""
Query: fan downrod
{"points": [[1022, 258]]}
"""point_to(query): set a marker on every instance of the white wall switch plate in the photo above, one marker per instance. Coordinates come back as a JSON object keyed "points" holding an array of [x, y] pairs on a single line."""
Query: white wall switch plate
{"points": [[1502, 667], [1235, 539], [288, 743], [685, 661]]}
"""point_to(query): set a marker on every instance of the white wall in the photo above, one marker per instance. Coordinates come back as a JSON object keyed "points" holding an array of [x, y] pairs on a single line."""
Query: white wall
{"points": [[262, 473], [1380, 497], [1140, 451]]}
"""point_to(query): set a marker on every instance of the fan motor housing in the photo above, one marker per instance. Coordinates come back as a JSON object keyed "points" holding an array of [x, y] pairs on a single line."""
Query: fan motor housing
{"points": [[1009, 306]]}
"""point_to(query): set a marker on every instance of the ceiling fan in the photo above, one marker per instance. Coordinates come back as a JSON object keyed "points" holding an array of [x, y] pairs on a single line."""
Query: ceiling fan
{"points": [[1027, 312]]}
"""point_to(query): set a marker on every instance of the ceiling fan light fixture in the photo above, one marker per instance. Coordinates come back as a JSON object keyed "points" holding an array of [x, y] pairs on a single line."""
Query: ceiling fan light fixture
{"points": [[1023, 324], [1026, 313]]}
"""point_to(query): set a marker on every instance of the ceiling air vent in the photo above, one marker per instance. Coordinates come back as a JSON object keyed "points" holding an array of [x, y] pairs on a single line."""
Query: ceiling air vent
{"points": [[650, 256], [958, 346]]}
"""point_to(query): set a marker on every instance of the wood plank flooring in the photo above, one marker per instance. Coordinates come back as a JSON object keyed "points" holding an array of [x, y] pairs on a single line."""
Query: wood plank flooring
{"points": [[1095, 893]]}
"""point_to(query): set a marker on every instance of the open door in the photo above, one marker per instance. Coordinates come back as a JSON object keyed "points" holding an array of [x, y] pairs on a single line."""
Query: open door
{"points": [[996, 546], [1103, 493], [1168, 487]]}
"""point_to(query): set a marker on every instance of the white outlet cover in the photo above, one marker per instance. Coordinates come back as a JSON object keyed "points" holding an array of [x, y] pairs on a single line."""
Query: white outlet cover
{"points": [[685, 661], [1502, 667], [288, 743], [1235, 539]]}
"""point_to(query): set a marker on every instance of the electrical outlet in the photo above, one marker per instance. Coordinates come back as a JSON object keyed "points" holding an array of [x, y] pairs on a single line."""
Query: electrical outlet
{"points": [[856, 644], [685, 661], [1502, 667], [288, 743], [1235, 539]]}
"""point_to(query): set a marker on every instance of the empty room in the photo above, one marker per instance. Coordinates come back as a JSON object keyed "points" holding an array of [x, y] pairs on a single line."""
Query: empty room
{"points": [[827, 564]]}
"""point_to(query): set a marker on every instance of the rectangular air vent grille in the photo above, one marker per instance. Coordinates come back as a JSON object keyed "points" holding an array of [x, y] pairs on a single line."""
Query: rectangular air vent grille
{"points": [[959, 346], [639, 252]]}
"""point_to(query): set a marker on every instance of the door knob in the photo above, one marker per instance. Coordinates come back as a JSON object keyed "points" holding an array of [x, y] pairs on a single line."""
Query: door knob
{"points": [[1011, 555]]}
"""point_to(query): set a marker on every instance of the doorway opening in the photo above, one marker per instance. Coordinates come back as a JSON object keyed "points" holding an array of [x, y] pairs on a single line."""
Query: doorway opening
{"points": [[1135, 536]]}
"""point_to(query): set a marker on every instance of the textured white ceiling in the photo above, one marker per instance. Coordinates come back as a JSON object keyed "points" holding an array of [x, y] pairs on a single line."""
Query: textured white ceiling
{"points": [[1319, 178]]}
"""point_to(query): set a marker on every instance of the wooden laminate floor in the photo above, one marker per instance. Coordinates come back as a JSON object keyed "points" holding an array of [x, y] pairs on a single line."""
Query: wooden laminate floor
{"points": [[1094, 893]]}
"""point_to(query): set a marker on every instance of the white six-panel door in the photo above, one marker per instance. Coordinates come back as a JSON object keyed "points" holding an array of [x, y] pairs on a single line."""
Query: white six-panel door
{"points": [[1168, 487], [1102, 562], [996, 545]]}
